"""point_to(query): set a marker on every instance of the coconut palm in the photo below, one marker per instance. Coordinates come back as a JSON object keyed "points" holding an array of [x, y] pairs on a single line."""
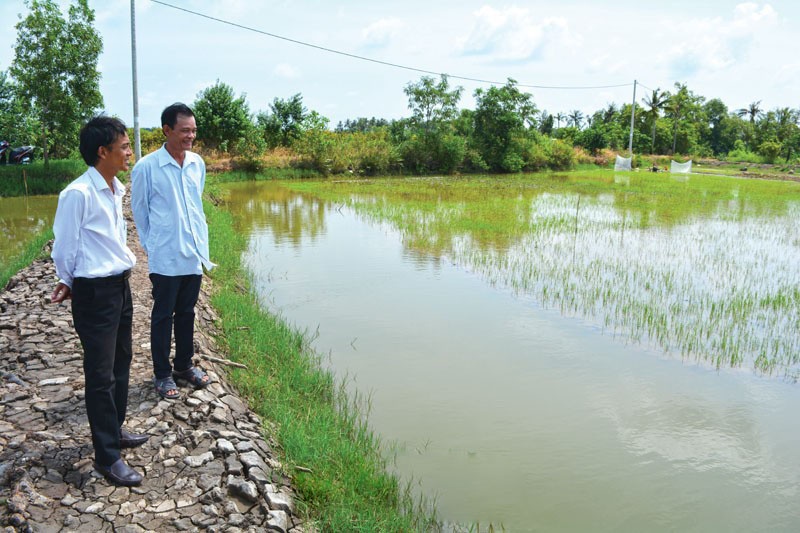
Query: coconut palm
{"points": [[559, 117], [575, 118], [655, 103], [753, 111]]}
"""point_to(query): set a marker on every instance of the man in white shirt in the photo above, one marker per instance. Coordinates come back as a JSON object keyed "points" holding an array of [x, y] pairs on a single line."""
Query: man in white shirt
{"points": [[166, 199], [93, 263]]}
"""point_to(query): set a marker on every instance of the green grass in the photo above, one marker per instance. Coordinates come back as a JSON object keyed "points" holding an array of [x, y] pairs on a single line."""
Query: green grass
{"points": [[342, 477], [34, 250], [35, 179]]}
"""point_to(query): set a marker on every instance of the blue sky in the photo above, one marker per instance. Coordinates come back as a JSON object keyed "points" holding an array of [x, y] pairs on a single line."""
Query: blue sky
{"points": [[739, 52]]}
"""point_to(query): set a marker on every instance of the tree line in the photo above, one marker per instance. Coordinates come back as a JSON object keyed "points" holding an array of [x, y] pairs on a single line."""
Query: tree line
{"points": [[52, 87]]}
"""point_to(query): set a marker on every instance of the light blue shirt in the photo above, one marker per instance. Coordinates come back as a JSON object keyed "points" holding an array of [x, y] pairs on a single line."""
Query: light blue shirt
{"points": [[90, 231], [167, 205]]}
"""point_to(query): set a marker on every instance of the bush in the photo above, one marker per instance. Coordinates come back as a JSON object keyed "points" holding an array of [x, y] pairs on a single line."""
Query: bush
{"points": [[562, 156], [741, 154], [770, 150]]}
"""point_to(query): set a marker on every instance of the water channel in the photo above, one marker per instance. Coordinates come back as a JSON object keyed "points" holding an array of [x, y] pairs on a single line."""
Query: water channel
{"points": [[21, 218], [508, 412]]}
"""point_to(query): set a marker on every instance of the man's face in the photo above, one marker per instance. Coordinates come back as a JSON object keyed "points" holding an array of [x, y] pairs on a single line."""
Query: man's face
{"points": [[181, 137], [118, 154]]}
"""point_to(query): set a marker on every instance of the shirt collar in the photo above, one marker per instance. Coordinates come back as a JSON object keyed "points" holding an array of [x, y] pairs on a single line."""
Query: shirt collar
{"points": [[100, 182], [164, 158]]}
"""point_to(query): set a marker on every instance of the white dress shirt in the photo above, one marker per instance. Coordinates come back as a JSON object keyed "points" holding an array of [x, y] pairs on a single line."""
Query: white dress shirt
{"points": [[167, 205], [90, 231]]}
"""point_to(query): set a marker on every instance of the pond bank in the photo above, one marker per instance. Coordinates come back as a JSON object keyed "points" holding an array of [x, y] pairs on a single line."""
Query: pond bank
{"points": [[207, 464]]}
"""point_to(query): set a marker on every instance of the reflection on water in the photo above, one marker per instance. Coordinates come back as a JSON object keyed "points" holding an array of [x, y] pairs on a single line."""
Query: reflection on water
{"points": [[21, 218], [509, 412]]}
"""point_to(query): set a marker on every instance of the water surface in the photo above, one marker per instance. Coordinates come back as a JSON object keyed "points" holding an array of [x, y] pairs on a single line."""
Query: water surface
{"points": [[509, 409], [21, 218]]}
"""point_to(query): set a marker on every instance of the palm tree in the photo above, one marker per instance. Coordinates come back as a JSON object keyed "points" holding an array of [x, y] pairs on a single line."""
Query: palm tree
{"points": [[559, 117], [753, 111], [655, 102], [575, 118], [676, 107], [786, 116]]}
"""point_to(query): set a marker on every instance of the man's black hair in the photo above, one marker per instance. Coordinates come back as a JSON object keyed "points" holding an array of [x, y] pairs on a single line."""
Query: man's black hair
{"points": [[169, 117], [99, 131]]}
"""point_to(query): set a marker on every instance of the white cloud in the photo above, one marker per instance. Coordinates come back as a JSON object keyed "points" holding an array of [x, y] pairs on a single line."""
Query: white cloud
{"points": [[380, 33], [286, 71], [512, 34], [714, 44]]}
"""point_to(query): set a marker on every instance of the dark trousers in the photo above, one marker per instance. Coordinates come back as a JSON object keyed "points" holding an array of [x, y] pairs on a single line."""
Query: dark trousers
{"points": [[174, 298], [103, 313]]}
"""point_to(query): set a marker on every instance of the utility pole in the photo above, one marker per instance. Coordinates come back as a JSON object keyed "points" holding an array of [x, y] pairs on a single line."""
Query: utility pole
{"points": [[633, 112], [137, 138]]}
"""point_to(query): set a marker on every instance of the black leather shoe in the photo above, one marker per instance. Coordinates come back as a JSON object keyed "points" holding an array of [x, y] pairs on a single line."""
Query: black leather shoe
{"points": [[131, 440], [120, 474]]}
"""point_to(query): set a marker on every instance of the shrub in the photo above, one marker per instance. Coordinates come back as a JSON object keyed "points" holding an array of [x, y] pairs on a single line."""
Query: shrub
{"points": [[561, 155]]}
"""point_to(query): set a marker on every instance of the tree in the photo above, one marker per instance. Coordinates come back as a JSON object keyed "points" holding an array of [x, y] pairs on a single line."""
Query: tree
{"points": [[681, 104], [222, 119], [655, 103], [430, 143], [753, 111], [575, 118], [55, 68], [501, 116], [285, 124], [719, 138], [432, 102]]}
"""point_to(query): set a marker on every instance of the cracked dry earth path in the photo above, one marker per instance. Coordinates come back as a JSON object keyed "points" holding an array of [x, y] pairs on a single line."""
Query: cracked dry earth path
{"points": [[207, 464]]}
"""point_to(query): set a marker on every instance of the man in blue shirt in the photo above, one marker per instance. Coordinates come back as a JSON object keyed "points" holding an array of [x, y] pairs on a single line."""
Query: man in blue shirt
{"points": [[166, 198], [93, 263]]}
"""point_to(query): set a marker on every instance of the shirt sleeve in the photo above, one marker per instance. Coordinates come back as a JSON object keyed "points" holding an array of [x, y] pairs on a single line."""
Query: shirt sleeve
{"points": [[66, 229], [140, 202]]}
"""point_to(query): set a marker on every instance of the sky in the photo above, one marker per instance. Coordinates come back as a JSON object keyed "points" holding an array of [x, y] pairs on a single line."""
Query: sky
{"points": [[566, 54]]}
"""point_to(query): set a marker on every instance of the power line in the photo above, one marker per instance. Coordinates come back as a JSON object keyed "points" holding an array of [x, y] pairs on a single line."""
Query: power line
{"points": [[378, 61]]}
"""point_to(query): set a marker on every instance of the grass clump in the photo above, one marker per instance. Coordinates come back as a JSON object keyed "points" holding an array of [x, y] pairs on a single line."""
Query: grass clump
{"points": [[35, 249], [335, 460]]}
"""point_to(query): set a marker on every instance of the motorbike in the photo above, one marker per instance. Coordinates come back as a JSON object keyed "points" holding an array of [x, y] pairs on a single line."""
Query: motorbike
{"points": [[21, 155]]}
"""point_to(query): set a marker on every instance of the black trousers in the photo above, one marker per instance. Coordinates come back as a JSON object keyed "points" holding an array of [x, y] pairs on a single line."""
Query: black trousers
{"points": [[103, 313], [174, 298]]}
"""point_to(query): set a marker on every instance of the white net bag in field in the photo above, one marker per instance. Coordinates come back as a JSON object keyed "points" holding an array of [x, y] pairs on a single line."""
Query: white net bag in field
{"points": [[680, 168], [623, 163]]}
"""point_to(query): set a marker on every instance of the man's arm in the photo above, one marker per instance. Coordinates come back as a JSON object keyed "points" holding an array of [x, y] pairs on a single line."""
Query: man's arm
{"points": [[66, 228], [140, 203]]}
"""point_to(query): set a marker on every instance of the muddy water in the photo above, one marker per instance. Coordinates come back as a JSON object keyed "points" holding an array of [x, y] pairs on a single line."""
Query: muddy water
{"points": [[21, 218], [508, 412]]}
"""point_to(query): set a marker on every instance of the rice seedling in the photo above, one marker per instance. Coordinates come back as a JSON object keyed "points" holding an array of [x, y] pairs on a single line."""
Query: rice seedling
{"points": [[704, 268]]}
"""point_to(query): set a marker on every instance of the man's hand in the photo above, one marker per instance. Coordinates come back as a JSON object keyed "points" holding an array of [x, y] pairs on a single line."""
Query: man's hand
{"points": [[61, 293]]}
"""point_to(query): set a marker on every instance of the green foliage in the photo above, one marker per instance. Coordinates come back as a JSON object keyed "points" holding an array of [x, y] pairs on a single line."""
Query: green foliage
{"points": [[361, 125], [248, 150], [328, 152], [742, 155], [285, 124], [16, 126], [432, 102], [501, 114], [55, 68], [151, 139], [223, 121], [38, 178], [769, 150]]}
